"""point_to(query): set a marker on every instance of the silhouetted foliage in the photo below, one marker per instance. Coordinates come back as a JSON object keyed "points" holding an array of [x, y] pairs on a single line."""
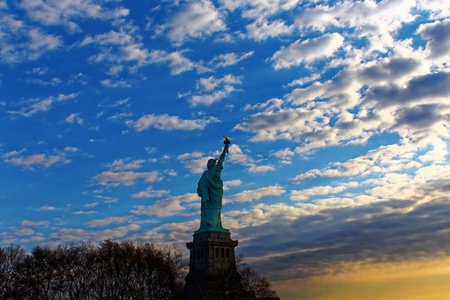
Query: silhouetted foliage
{"points": [[112, 270], [11, 260], [254, 283]]}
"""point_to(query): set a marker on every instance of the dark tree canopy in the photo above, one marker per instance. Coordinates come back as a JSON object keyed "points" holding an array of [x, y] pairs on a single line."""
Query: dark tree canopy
{"points": [[112, 270], [252, 282]]}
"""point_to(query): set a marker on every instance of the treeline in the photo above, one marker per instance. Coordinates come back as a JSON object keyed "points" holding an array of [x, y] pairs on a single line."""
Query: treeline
{"points": [[254, 283], [111, 270]]}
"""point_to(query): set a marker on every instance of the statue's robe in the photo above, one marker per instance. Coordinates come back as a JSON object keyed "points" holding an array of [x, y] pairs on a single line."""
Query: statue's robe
{"points": [[210, 189]]}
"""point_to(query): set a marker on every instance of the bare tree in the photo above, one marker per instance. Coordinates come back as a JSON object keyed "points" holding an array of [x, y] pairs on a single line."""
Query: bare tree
{"points": [[112, 270], [11, 258], [252, 282]]}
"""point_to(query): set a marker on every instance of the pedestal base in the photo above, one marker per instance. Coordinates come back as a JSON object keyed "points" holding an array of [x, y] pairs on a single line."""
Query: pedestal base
{"points": [[212, 268]]}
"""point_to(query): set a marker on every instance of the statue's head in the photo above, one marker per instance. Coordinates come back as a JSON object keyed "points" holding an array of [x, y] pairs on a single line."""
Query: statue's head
{"points": [[211, 163]]}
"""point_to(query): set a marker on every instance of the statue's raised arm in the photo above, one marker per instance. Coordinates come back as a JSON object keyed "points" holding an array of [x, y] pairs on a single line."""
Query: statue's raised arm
{"points": [[210, 189], [227, 143]]}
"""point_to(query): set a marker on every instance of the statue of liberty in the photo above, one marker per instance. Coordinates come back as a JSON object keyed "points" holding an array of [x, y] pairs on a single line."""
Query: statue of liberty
{"points": [[210, 189]]}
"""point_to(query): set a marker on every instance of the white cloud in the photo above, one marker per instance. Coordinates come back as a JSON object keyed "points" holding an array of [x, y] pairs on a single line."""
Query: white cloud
{"points": [[372, 20], [150, 193], [190, 155], [391, 158], [263, 29], [121, 173], [270, 105], [38, 106], [438, 154], [80, 235], [307, 51], [197, 165], [166, 122], [20, 42], [33, 239], [109, 38], [231, 183], [74, 118], [229, 59], [168, 234], [213, 89], [13, 153], [33, 106], [111, 201], [255, 9], [115, 83], [260, 168], [196, 162], [119, 50], [39, 40], [26, 223], [170, 172], [255, 195], [108, 221], [71, 149], [38, 160], [196, 20], [127, 164], [284, 155], [211, 83], [302, 195], [51, 82], [65, 11], [47, 208], [208, 99], [284, 123], [303, 80], [263, 213], [135, 52], [117, 232], [265, 15], [237, 156], [438, 39], [166, 207], [71, 234], [401, 97], [24, 231], [83, 212], [150, 149], [436, 8], [177, 62], [127, 178]]}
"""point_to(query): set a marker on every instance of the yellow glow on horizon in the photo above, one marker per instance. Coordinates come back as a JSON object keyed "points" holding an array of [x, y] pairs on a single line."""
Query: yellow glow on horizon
{"points": [[425, 279]]}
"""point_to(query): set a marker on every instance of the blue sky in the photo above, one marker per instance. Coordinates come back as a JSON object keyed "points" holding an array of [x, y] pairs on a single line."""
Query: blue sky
{"points": [[338, 113]]}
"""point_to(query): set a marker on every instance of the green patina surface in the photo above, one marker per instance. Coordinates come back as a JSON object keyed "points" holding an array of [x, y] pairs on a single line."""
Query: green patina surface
{"points": [[210, 189]]}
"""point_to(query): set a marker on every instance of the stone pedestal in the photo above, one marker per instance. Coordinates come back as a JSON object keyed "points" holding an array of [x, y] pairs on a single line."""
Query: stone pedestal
{"points": [[212, 268]]}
